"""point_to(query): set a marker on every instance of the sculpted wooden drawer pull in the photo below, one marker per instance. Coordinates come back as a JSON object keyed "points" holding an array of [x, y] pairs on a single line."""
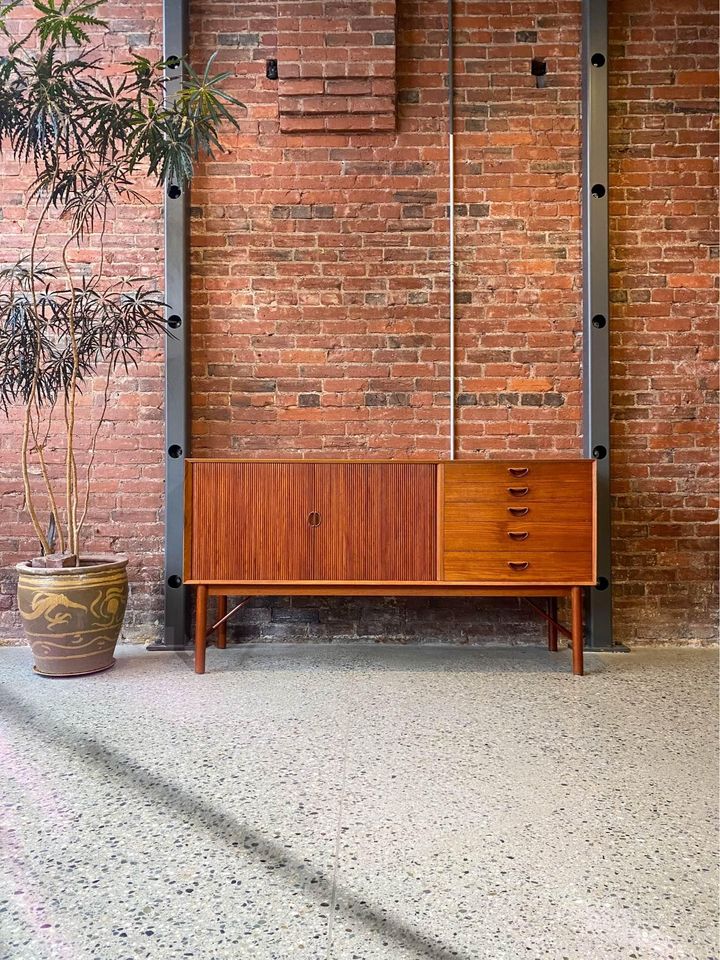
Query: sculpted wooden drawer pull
{"points": [[518, 471], [518, 564], [518, 491], [314, 519], [519, 511], [518, 534]]}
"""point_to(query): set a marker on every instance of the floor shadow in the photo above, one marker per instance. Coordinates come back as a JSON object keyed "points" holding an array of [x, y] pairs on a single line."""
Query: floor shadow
{"points": [[271, 855], [382, 657]]}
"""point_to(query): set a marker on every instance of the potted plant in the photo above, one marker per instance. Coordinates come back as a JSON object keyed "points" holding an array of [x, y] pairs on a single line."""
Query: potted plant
{"points": [[89, 140]]}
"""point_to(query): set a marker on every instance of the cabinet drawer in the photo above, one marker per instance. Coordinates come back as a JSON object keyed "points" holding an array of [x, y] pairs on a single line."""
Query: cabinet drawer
{"points": [[519, 566], [496, 536], [466, 513], [509, 481]]}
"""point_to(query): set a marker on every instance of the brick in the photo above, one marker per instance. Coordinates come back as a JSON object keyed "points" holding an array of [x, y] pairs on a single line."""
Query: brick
{"points": [[697, 78], [347, 88], [301, 124], [299, 88], [238, 39], [415, 196]]}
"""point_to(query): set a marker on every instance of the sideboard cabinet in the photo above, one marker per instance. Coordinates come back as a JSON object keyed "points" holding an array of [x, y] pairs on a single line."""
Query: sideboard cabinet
{"points": [[522, 528]]}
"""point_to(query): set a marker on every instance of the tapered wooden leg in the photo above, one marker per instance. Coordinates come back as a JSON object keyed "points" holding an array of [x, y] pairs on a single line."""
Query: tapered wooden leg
{"points": [[222, 629], [551, 627], [200, 627], [577, 631]]}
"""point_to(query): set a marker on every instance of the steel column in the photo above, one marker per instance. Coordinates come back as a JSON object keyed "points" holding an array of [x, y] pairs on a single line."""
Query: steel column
{"points": [[596, 302], [451, 220], [177, 435]]}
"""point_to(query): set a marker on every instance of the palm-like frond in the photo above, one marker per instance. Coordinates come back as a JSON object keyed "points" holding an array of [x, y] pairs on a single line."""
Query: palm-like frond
{"points": [[66, 21], [5, 10], [89, 136], [62, 336]]}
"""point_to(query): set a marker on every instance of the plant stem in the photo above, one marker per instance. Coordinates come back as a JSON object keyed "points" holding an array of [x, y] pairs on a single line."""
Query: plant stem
{"points": [[32, 398], [93, 447], [71, 495], [29, 504], [106, 389], [40, 449]]}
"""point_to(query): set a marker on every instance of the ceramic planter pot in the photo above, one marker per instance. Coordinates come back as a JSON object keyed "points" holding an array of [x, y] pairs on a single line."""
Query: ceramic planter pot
{"points": [[73, 615]]}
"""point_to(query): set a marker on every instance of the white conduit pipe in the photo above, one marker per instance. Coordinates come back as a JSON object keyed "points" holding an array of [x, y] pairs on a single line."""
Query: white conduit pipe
{"points": [[451, 224]]}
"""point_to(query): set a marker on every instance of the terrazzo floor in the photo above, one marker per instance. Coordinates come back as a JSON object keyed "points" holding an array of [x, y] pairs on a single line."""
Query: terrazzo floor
{"points": [[361, 803]]}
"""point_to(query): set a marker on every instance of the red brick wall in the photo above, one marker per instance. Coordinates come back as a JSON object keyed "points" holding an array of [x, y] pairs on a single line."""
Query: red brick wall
{"points": [[320, 286], [126, 513], [518, 234], [320, 270], [664, 235]]}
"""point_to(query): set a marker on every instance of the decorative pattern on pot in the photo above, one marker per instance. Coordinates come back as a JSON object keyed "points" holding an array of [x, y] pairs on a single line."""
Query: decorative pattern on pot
{"points": [[73, 615]]}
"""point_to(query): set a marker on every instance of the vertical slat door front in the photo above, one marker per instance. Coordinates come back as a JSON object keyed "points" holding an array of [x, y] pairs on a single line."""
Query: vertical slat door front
{"points": [[249, 521], [377, 521]]}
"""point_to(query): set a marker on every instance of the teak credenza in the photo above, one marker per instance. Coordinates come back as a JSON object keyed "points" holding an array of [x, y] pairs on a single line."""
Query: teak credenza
{"points": [[491, 528]]}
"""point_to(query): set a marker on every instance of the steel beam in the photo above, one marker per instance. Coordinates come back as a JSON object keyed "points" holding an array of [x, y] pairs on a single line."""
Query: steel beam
{"points": [[177, 434], [596, 303]]}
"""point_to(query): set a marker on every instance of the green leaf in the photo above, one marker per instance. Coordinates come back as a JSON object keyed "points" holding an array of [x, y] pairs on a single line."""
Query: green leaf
{"points": [[5, 10], [66, 20]]}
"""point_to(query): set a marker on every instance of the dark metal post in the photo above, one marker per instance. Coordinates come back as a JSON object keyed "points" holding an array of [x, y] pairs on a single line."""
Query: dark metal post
{"points": [[596, 302], [177, 436]]}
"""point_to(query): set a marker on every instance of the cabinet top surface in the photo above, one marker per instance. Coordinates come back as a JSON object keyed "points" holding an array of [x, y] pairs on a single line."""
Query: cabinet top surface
{"points": [[399, 460]]}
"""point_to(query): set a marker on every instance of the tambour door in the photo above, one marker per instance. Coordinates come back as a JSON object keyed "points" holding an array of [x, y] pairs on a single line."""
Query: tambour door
{"points": [[308, 520], [249, 521], [377, 521]]}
